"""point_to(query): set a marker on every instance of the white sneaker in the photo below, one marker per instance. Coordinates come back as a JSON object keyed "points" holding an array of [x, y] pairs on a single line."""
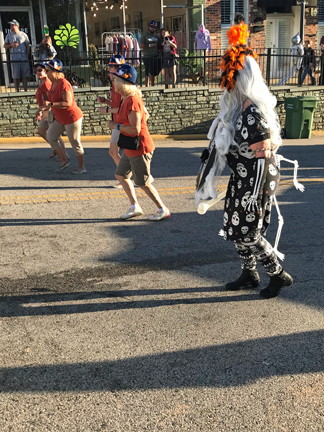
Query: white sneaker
{"points": [[78, 171], [118, 186], [132, 213], [159, 215]]}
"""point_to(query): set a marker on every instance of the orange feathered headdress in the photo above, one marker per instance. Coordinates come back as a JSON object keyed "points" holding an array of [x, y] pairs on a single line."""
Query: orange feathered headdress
{"points": [[233, 59]]}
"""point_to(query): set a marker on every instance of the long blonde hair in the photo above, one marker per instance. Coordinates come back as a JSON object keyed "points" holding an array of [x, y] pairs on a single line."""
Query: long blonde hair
{"points": [[126, 89], [57, 75]]}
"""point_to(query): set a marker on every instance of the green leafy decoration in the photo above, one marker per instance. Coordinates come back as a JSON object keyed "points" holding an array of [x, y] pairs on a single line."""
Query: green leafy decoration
{"points": [[67, 36]]}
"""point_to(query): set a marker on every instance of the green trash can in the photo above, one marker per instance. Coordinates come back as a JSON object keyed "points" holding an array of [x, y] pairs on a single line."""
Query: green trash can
{"points": [[299, 116]]}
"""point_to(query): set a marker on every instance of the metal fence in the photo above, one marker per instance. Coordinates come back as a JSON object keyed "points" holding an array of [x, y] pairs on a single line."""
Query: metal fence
{"points": [[198, 68]]}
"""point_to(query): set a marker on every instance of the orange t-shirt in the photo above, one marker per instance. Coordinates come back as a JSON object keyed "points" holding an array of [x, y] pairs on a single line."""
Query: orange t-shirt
{"points": [[115, 100], [64, 116], [43, 89], [135, 103]]}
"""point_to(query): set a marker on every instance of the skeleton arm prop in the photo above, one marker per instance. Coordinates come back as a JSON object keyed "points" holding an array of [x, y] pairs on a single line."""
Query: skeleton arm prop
{"points": [[251, 204], [299, 187]]}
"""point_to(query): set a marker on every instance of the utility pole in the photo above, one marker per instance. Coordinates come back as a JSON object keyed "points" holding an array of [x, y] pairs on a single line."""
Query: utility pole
{"points": [[302, 20], [161, 14]]}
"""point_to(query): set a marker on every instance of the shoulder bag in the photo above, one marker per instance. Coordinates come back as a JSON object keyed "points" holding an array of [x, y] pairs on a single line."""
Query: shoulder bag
{"points": [[128, 142]]}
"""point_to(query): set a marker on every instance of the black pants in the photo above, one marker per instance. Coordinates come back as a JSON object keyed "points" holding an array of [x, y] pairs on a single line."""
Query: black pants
{"points": [[321, 78], [257, 248]]}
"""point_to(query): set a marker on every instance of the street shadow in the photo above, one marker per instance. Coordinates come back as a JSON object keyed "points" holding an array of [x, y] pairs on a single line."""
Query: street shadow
{"points": [[34, 163], [39, 304], [168, 161], [219, 366], [35, 222]]}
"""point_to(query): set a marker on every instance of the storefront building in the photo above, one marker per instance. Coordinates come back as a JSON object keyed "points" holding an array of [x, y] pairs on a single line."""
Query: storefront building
{"points": [[272, 22]]}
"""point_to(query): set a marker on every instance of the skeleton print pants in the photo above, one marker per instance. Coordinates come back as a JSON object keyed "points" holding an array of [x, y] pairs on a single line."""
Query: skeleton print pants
{"points": [[258, 248]]}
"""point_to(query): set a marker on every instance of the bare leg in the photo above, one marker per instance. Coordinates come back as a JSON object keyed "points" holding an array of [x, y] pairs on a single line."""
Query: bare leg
{"points": [[174, 74], [114, 152], [80, 161], [152, 193], [25, 82], [147, 81], [166, 77], [153, 80], [128, 188], [61, 154], [16, 83], [63, 146]]}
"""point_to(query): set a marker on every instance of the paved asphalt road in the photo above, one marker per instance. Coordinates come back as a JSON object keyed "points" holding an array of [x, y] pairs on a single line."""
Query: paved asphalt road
{"points": [[110, 325]]}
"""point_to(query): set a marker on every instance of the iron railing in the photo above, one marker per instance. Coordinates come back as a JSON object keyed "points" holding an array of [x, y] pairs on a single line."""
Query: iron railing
{"points": [[198, 68]]}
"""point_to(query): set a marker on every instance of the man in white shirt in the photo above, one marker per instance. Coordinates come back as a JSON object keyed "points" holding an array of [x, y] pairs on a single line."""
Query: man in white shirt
{"points": [[18, 44]]}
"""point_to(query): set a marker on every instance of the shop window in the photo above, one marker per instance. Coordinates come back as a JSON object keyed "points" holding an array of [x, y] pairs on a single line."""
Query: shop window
{"points": [[138, 20], [115, 23], [320, 4], [226, 11]]}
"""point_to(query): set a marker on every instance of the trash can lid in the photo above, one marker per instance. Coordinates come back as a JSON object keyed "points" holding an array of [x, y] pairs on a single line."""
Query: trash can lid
{"points": [[308, 98]]}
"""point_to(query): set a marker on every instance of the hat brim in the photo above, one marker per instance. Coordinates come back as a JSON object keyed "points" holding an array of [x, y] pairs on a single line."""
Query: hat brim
{"points": [[40, 64], [51, 67], [124, 79]]}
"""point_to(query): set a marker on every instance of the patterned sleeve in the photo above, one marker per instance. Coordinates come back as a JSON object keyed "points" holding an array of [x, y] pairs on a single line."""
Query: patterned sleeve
{"points": [[256, 125]]}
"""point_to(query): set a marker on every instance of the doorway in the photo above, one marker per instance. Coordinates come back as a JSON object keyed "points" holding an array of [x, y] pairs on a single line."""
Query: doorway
{"points": [[278, 38], [24, 15]]}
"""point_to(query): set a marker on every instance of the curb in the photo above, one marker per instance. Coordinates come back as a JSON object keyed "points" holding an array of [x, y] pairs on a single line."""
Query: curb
{"points": [[100, 138]]}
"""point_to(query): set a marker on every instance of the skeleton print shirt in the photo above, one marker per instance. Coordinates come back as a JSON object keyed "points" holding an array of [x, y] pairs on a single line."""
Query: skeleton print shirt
{"points": [[239, 223]]}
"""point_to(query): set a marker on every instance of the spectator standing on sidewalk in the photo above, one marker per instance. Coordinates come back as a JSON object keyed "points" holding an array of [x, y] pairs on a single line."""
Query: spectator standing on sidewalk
{"points": [[18, 44], [115, 98], [45, 50], [44, 87], [150, 44], [308, 63], [131, 122], [169, 60], [68, 116]]}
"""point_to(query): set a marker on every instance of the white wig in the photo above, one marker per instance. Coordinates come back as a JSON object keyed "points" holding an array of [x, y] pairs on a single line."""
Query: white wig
{"points": [[250, 85]]}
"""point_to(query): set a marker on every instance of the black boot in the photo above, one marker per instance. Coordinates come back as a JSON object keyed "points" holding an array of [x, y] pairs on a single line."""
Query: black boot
{"points": [[248, 278], [276, 284]]}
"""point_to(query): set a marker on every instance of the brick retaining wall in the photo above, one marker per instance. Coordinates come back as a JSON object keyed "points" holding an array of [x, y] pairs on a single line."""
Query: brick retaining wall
{"points": [[179, 111]]}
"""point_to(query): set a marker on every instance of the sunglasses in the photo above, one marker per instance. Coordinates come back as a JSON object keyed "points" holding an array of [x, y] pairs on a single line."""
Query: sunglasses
{"points": [[39, 70]]}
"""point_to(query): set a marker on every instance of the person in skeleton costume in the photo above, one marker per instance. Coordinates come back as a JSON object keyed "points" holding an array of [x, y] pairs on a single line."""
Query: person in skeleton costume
{"points": [[246, 136], [297, 51]]}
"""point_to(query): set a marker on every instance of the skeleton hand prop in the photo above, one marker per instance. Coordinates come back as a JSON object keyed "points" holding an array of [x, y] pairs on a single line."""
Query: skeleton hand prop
{"points": [[297, 185], [251, 204]]}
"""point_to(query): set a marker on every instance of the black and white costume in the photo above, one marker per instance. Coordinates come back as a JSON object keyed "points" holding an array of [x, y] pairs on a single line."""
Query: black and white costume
{"points": [[251, 188]]}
